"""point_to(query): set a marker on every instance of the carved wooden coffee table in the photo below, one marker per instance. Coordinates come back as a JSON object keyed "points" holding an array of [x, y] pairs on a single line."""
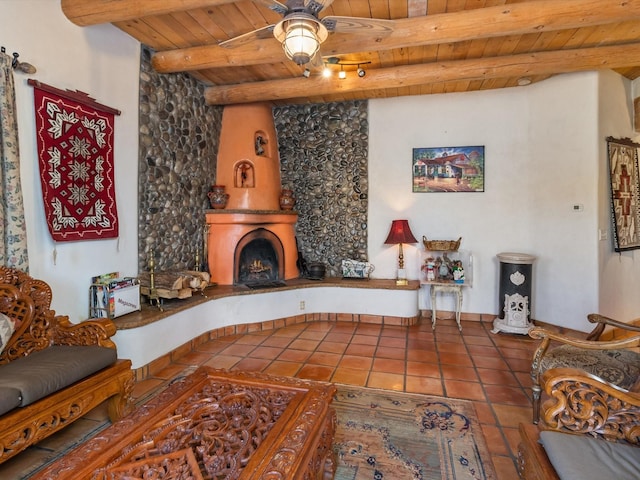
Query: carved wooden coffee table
{"points": [[215, 424]]}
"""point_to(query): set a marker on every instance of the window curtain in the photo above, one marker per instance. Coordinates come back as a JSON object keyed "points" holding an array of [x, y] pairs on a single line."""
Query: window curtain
{"points": [[13, 247]]}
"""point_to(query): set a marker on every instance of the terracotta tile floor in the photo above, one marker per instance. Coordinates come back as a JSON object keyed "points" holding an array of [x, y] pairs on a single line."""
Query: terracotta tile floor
{"points": [[490, 370]]}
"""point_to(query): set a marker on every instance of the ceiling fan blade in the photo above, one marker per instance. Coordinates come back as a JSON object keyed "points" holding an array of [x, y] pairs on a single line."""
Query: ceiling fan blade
{"points": [[274, 5], [316, 6], [261, 33], [358, 25]]}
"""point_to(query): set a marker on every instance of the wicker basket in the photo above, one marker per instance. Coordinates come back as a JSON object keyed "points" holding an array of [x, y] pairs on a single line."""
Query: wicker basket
{"points": [[441, 245]]}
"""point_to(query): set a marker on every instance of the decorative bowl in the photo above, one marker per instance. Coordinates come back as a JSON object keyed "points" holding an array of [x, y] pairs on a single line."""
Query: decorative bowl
{"points": [[356, 269]]}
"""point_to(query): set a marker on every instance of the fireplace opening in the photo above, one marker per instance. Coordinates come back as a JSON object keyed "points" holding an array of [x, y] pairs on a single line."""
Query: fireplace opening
{"points": [[259, 260]]}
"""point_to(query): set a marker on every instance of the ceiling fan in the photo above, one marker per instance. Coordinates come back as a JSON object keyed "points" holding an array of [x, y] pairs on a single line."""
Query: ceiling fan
{"points": [[301, 31]]}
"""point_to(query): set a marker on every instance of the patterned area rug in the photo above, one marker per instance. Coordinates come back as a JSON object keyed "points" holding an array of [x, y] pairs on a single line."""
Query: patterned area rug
{"points": [[383, 435]]}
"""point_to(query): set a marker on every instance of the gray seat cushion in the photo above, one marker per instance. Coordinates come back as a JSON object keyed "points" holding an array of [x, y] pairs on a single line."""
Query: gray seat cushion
{"points": [[580, 457], [9, 399], [47, 371], [619, 367]]}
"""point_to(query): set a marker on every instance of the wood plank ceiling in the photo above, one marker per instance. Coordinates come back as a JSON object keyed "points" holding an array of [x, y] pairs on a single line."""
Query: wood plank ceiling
{"points": [[436, 46]]}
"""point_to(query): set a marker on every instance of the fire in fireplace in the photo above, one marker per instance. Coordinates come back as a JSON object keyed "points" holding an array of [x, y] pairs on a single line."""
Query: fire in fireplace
{"points": [[259, 259]]}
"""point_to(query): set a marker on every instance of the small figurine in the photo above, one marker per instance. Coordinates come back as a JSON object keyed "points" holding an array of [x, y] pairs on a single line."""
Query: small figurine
{"points": [[458, 272], [260, 141], [430, 269], [443, 270]]}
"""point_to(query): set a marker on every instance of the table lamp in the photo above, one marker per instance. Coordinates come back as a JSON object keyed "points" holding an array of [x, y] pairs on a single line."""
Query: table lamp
{"points": [[400, 233]]}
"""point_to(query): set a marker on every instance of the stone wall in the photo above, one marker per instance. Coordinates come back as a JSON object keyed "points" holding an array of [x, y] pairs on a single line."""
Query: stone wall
{"points": [[179, 136], [323, 154]]}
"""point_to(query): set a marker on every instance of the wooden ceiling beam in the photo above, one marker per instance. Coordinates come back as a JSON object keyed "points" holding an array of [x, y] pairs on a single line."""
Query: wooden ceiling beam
{"points": [[512, 19], [94, 12], [521, 65]]}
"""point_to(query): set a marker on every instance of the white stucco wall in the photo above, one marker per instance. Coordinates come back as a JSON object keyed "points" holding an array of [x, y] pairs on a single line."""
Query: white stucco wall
{"points": [[619, 273], [564, 173], [103, 62], [145, 344], [540, 161]]}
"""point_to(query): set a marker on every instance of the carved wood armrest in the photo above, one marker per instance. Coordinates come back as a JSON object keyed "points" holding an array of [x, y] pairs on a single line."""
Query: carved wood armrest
{"points": [[603, 321], [582, 403], [541, 333], [90, 332], [546, 336]]}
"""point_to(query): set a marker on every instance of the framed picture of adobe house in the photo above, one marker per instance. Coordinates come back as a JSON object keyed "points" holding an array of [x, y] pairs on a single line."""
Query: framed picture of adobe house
{"points": [[448, 169], [625, 193]]}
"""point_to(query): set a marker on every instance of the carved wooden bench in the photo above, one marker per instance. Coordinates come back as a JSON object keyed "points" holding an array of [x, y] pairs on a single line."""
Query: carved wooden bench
{"points": [[582, 408], [591, 416], [52, 372], [613, 362]]}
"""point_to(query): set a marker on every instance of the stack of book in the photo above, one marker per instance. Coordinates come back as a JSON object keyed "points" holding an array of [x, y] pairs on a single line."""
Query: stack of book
{"points": [[111, 296]]}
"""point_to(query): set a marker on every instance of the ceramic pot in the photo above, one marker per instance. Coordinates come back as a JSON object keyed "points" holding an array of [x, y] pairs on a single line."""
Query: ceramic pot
{"points": [[316, 271], [287, 201], [217, 197]]}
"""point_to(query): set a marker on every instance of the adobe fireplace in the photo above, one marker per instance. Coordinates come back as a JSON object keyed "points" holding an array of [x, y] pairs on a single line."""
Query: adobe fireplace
{"points": [[252, 241]]}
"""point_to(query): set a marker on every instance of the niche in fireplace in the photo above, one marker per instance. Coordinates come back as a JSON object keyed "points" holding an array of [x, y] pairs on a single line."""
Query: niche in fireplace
{"points": [[259, 259]]}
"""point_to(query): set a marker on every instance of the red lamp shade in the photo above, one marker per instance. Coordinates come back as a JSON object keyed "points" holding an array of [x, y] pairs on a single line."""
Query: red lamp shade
{"points": [[400, 233]]}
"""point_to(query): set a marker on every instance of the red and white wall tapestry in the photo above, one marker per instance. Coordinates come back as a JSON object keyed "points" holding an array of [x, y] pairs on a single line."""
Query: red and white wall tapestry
{"points": [[75, 151]]}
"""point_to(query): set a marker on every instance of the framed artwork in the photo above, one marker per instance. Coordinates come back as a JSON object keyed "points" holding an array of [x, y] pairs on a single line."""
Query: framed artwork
{"points": [[625, 191], [448, 169]]}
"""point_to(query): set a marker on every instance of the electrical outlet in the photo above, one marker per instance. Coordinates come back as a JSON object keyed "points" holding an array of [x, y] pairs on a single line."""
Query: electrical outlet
{"points": [[302, 305]]}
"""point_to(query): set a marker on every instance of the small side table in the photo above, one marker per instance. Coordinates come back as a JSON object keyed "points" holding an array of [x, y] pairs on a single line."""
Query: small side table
{"points": [[455, 288]]}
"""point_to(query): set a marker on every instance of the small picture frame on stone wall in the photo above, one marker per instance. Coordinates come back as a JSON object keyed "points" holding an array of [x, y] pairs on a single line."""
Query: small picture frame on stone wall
{"points": [[448, 169]]}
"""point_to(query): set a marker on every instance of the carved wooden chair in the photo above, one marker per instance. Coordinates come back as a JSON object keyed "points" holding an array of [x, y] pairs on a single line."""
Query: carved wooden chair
{"points": [[587, 377]]}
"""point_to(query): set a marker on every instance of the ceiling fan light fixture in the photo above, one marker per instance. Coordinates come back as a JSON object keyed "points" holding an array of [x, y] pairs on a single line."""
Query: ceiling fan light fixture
{"points": [[300, 43], [300, 35], [342, 74]]}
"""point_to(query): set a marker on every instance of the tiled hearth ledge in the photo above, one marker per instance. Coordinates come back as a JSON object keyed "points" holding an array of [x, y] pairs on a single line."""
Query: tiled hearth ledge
{"points": [[151, 338]]}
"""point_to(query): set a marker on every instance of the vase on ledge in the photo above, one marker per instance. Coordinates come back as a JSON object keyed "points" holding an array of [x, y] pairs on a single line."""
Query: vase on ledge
{"points": [[287, 201], [218, 197]]}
